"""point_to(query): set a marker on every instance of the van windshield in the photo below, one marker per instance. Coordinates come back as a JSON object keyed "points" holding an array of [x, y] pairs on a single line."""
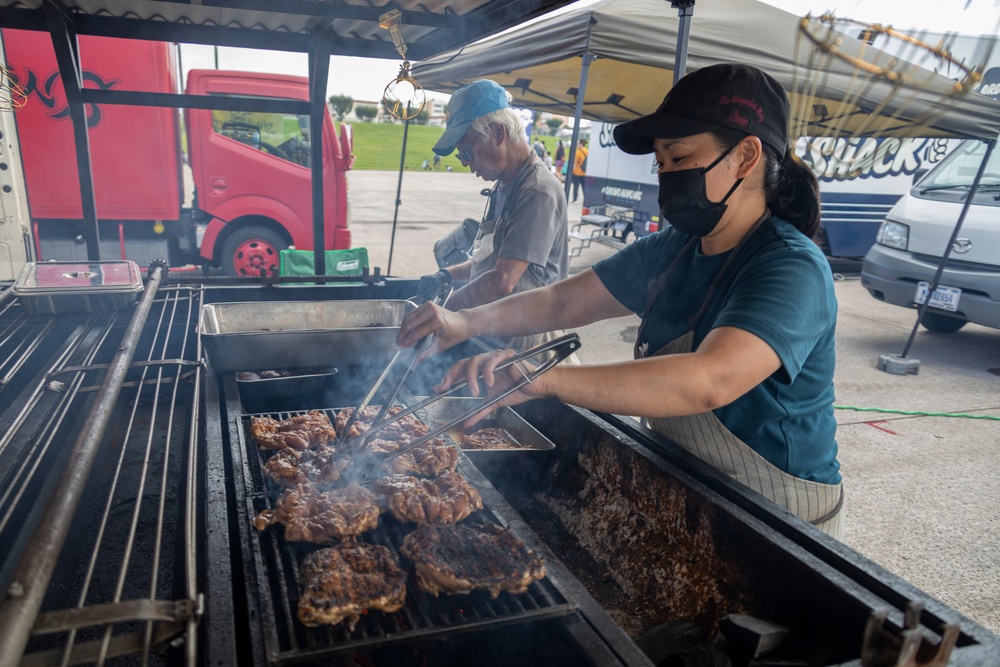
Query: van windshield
{"points": [[958, 170]]}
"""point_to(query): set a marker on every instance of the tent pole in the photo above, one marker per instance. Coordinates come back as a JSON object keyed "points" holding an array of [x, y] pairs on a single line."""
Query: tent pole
{"points": [[319, 69], [399, 188], [588, 58], [685, 10], [951, 243]]}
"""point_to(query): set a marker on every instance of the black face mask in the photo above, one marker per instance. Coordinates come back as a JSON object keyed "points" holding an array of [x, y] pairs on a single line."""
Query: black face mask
{"points": [[684, 202]]}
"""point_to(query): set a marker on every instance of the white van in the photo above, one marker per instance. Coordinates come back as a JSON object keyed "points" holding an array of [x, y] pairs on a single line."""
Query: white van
{"points": [[916, 231]]}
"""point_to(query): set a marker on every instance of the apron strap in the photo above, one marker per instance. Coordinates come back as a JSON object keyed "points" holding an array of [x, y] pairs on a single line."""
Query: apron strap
{"points": [[832, 513]]}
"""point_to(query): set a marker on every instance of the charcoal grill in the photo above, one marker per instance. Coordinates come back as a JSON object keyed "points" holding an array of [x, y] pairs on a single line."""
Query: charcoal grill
{"points": [[157, 559], [424, 617]]}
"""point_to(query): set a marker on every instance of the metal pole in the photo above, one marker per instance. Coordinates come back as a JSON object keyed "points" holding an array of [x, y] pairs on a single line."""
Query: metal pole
{"points": [[26, 590], [922, 308], [685, 10], [588, 58], [319, 69], [68, 57], [399, 189]]}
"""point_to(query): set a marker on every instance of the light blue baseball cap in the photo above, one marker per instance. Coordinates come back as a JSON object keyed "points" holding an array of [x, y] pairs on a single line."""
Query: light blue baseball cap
{"points": [[467, 104]]}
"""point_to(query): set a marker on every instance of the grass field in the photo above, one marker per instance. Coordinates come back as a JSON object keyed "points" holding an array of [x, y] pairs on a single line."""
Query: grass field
{"points": [[377, 146]]}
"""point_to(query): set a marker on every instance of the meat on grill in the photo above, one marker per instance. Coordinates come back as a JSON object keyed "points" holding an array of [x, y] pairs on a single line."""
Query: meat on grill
{"points": [[407, 429], [489, 438], [428, 460], [463, 558], [298, 432], [317, 465], [445, 499], [311, 515], [344, 581]]}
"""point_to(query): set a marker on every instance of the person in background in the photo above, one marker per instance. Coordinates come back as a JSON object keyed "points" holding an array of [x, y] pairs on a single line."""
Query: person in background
{"points": [[539, 147], [560, 157], [735, 355], [437, 162], [548, 162], [522, 241], [580, 169]]}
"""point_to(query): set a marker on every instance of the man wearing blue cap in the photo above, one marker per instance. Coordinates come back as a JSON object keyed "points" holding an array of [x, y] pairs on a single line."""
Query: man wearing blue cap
{"points": [[522, 241]]}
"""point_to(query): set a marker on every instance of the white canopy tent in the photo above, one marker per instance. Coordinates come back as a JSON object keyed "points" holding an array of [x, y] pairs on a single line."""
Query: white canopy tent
{"points": [[629, 48]]}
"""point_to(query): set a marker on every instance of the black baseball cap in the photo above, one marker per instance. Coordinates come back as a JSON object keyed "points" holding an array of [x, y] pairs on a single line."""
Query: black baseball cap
{"points": [[731, 96]]}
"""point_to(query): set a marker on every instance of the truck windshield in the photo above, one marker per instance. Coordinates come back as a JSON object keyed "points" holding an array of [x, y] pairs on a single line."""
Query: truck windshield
{"points": [[958, 170], [283, 135]]}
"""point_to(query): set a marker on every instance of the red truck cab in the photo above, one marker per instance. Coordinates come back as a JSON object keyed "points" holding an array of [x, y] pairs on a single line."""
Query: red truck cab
{"points": [[251, 171], [266, 204]]}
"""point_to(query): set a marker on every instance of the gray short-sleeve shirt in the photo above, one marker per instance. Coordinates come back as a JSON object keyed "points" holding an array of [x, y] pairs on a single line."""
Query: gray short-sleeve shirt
{"points": [[531, 224]]}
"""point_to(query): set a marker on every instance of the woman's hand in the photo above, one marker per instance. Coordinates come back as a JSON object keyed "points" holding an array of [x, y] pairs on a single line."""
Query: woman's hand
{"points": [[449, 329], [496, 381]]}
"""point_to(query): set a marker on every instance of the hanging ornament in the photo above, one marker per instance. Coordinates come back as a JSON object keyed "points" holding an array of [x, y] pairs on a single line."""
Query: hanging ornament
{"points": [[404, 98]]}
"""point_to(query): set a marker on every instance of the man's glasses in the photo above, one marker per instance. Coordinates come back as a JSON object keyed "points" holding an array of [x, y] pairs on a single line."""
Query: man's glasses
{"points": [[465, 153]]}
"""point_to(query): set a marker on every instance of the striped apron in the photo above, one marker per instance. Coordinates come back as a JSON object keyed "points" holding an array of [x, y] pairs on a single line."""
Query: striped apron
{"points": [[708, 438]]}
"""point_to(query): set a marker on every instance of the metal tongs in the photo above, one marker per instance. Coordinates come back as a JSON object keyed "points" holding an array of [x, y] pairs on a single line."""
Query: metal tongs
{"points": [[440, 297], [562, 346]]}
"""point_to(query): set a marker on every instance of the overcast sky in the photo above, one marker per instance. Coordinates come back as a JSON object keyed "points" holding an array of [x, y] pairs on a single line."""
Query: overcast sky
{"points": [[364, 79]]}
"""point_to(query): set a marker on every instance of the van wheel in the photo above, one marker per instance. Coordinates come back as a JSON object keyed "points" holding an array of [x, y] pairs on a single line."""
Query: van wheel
{"points": [[941, 323], [250, 249]]}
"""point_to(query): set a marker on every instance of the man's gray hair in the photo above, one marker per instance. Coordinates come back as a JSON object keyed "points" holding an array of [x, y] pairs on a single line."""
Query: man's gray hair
{"points": [[509, 118]]}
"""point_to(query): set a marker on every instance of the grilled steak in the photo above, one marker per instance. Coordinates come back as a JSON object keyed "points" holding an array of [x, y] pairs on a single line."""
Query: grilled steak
{"points": [[463, 558], [344, 581], [310, 515], [317, 465], [446, 499], [428, 460], [298, 432]]}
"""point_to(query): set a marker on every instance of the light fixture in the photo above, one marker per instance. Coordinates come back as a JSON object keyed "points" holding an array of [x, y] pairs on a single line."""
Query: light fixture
{"points": [[404, 98]]}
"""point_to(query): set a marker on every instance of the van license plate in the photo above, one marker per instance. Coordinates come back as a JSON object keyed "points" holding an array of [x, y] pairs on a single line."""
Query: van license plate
{"points": [[945, 298]]}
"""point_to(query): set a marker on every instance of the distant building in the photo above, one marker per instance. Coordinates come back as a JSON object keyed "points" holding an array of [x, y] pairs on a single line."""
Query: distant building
{"points": [[437, 112]]}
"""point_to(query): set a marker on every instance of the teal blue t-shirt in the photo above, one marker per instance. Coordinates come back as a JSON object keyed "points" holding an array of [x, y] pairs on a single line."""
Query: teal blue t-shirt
{"points": [[779, 288]]}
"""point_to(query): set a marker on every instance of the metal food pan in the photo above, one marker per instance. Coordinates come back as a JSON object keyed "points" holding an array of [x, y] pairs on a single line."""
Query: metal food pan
{"points": [[523, 433], [285, 335], [74, 287], [273, 394]]}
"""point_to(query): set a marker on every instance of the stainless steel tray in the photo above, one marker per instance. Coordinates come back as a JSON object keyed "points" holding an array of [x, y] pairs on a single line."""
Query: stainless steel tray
{"points": [[88, 286], [283, 335], [526, 435]]}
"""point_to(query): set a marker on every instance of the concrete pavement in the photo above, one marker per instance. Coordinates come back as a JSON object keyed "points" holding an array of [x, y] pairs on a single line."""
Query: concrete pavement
{"points": [[923, 491]]}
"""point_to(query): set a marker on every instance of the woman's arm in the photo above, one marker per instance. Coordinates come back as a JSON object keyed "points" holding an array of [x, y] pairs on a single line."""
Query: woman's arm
{"points": [[576, 301], [729, 363]]}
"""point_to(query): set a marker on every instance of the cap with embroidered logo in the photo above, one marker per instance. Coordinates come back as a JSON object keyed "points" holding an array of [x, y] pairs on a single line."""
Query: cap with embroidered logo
{"points": [[731, 96]]}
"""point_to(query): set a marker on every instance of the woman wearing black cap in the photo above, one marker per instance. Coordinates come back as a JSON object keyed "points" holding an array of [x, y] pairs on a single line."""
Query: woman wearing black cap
{"points": [[735, 353]]}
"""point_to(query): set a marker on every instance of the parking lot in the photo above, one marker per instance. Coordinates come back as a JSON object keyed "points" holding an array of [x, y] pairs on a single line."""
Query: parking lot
{"points": [[922, 490]]}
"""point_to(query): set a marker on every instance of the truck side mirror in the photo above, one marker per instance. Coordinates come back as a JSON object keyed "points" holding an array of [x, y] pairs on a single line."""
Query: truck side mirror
{"points": [[918, 174]]}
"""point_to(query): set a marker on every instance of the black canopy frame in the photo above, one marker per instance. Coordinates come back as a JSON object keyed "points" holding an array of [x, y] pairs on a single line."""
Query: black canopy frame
{"points": [[319, 28]]}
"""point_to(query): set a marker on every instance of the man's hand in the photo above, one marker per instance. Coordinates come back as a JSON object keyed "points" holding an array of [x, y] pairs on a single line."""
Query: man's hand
{"points": [[449, 329], [430, 284]]}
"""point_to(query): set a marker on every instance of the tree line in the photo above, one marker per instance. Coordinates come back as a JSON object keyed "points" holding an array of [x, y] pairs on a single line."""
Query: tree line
{"points": [[343, 104]]}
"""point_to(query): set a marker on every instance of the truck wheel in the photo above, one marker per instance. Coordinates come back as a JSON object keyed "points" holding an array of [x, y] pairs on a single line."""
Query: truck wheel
{"points": [[250, 249], [941, 323]]}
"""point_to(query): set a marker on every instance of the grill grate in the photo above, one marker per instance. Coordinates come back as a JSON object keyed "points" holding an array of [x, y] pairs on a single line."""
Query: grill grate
{"points": [[422, 617], [126, 578]]}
